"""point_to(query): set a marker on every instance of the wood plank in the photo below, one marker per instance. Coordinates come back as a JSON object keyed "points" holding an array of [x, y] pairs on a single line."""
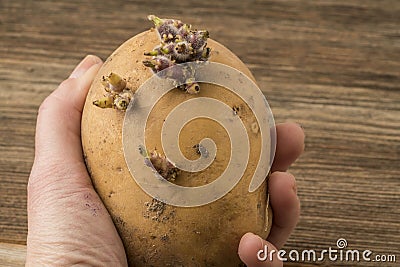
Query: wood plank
{"points": [[332, 66], [12, 255]]}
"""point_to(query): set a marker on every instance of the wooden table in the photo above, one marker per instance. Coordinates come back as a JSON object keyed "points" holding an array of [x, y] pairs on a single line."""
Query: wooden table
{"points": [[332, 66]]}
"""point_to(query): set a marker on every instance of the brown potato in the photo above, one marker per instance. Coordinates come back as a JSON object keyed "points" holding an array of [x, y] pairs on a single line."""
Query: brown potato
{"points": [[154, 233]]}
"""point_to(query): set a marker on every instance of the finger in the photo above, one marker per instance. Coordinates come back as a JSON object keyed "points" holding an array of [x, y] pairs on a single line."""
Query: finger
{"points": [[58, 122], [84, 65], [285, 205], [256, 252], [290, 145]]}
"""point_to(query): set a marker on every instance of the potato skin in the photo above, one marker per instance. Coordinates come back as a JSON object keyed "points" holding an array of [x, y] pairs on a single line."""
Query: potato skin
{"points": [[171, 236]]}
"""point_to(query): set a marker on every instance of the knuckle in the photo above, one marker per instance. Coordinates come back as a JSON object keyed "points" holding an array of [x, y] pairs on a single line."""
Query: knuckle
{"points": [[67, 83], [282, 181], [290, 177], [61, 90], [52, 100], [44, 106]]}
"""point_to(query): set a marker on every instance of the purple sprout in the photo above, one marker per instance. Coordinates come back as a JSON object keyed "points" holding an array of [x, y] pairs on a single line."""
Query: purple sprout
{"points": [[178, 44]]}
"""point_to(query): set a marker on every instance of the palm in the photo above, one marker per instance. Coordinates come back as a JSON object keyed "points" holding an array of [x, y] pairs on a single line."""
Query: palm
{"points": [[71, 225]]}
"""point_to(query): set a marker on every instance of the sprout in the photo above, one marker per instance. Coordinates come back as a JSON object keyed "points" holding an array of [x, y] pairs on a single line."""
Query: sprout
{"points": [[160, 164], [163, 166], [104, 102], [158, 63], [113, 83], [178, 44], [123, 99], [117, 95]]}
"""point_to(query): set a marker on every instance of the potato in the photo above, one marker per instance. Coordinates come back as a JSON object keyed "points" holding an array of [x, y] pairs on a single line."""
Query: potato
{"points": [[158, 234]]}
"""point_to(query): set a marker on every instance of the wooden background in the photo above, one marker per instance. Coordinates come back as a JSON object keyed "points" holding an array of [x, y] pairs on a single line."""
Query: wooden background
{"points": [[332, 66]]}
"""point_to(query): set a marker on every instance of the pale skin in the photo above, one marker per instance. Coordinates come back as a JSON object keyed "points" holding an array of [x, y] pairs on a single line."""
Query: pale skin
{"points": [[62, 231]]}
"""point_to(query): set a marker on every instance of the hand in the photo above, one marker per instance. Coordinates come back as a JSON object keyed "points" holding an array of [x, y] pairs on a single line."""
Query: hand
{"points": [[283, 199], [67, 222]]}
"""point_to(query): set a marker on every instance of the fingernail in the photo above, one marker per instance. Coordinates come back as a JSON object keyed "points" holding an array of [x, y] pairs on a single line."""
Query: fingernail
{"points": [[250, 234], [301, 126], [304, 133], [84, 65], [294, 187]]}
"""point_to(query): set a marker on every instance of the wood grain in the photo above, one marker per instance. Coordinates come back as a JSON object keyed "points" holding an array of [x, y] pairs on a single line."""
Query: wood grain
{"points": [[332, 66], [12, 255]]}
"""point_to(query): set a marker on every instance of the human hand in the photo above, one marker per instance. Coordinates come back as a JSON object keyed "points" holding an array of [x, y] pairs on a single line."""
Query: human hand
{"points": [[283, 199], [67, 222]]}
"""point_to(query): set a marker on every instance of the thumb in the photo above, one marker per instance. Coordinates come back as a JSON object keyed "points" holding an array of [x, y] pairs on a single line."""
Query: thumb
{"points": [[58, 123], [257, 252]]}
